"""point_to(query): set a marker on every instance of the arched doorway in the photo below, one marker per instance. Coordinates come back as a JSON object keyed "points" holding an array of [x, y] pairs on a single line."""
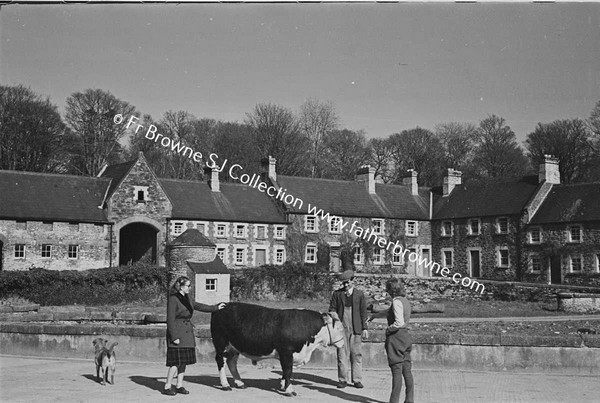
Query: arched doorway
{"points": [[137, 241]]}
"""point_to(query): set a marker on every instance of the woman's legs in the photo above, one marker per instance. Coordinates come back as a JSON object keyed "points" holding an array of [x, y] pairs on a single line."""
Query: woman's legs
{"points": [[180, 374], [396, 382], [408, 379], [170, 374]]}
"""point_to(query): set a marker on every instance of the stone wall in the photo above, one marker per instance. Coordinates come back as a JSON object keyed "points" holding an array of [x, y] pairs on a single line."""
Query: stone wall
{"points": [[93, 241], [394, 230], [555, 242], [487, 242]]}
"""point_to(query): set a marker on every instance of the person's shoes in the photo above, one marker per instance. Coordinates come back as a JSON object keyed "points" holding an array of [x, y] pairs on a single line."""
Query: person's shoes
{"points": [[342, 385], [182, 390], [169, 392], [358, 385]]}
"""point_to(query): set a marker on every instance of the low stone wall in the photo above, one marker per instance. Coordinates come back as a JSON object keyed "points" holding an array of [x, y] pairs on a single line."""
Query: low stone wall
{"points": [[419, 289], [575, 302], [562, 354]]}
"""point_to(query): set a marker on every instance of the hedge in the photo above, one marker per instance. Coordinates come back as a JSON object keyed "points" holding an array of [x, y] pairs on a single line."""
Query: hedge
{"points": [[137, 283]]}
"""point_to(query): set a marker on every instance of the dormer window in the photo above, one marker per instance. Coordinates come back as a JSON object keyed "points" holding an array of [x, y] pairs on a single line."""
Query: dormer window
{"points": [[378, 226], [140, 194], [575, 233], [535, 235], [447, 228], [311, 223]]}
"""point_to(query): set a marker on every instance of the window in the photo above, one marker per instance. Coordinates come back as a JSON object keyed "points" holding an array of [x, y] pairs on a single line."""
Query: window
{"points": [[48, 225], [221, 230], [447, 228], [73, 252], [19, 251], [397, 258], [240, 230], [177, 227], [448, 258], [261, 232], [335, 226], [240, 256], [140, 194], [535, 235], [310, 224], [575, 233], [279, 256], [279, 232], [211, 284], [535, 263], [74, 226], [21, 224], [46, 250], [502, 225], [474, 226], [310, 253], [359, 256], [503, 258], [222, 253], [378, 226], [411, 228], [597, 262], [378, 256], [576, 263]]}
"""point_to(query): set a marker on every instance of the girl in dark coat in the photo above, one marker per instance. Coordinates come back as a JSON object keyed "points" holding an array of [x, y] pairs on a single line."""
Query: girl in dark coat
{"points": [[398, 343], [181, 342]]}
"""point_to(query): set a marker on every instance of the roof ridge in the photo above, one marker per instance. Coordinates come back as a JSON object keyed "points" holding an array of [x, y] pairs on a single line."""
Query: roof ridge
{"points": [[52, 174]]}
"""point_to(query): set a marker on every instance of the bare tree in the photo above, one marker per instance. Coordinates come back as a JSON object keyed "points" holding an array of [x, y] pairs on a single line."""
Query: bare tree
{"points": [[277, 133], [345, 151], [571, 142], [95, 139], [380, 157], [458, 140], [417, 149], [497, 153], [317, 119], [32, 133], [594, 121]]}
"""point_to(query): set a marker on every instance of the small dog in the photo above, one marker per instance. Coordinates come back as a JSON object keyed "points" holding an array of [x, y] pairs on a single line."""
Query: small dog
{"points": [[105, 359]]}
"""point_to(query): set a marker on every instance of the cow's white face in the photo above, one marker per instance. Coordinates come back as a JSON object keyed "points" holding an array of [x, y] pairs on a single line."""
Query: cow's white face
{"points": [[330, 334]]}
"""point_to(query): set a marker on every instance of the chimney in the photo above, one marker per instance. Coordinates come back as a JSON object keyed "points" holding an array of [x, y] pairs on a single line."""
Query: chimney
{"points": [[451, 179], [268, 168], [214, 178], [367, 174], [549, 170], [411, 180]]}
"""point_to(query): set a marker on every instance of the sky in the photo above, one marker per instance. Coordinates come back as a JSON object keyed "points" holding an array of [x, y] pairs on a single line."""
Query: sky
{"points": [[385, 67]]}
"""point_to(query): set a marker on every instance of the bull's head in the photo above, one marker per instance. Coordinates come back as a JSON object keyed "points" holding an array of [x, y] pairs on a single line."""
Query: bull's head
{"points": [[335, 329]]}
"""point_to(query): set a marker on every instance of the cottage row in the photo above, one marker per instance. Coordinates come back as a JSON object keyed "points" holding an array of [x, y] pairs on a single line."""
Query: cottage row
{"points": [[532, 229]]}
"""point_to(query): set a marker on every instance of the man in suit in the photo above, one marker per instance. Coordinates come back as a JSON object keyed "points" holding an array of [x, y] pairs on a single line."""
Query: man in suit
{"points": [[351, 306]]}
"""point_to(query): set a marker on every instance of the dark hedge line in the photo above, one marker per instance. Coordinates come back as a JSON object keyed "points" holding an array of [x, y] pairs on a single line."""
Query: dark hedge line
{"points": [[137, 283], [289, 281]]}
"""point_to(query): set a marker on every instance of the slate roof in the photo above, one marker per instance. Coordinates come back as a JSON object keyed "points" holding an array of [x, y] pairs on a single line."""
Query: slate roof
{"points": [[191, 237], [351, 198], [214, 267], [234, 203], [485, 199], [570, 203], [117, 173], [50, 197]]}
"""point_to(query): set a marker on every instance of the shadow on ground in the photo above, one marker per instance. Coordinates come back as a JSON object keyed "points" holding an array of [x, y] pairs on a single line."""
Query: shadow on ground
{"points": [[157, 384]]}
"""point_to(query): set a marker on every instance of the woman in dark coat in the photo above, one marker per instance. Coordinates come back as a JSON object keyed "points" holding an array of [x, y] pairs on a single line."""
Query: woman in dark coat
{"points": [[181, 342], [398, 343]]}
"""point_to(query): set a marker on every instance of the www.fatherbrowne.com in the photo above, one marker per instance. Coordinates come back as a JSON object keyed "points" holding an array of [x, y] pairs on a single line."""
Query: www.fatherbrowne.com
{"points": [[397, 249], [280, 194]]}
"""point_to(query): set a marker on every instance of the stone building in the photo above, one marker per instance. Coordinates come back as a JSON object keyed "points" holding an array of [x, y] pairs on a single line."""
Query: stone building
{"points": [[393, 212]]}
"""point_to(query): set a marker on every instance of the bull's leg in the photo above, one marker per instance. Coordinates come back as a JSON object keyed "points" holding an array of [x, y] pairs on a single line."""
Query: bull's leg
{"points": [[221, 348], [232, 360], [287, 360]]}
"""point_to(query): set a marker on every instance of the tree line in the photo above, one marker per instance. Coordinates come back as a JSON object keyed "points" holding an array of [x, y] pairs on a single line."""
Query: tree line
{"points": [[310, 141]]}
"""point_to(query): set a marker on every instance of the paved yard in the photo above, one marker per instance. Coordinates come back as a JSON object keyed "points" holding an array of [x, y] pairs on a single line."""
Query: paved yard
{"points": [[26, 379]]}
